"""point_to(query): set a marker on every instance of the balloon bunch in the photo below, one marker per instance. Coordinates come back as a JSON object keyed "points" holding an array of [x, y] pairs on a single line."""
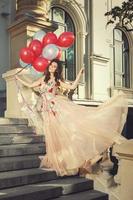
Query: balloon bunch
{"points": [[43, 48]]}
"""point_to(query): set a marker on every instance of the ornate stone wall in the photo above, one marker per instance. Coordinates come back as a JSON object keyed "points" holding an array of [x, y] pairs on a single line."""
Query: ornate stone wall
{"points": [[33, 8]]}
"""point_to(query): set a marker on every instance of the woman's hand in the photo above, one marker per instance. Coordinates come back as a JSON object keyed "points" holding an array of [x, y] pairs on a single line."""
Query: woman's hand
{"points": [[16, 77], [30, 85], [22, 81], [82, 70]]}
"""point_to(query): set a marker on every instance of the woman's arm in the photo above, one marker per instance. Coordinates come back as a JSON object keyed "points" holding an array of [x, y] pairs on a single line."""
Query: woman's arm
{"points": [[30, 85], [75, 83]]}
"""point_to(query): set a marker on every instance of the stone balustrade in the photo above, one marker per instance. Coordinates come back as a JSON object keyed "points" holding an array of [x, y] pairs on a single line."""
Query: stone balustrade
{"points": [[124, 177], [13, 109], [119, 187]]}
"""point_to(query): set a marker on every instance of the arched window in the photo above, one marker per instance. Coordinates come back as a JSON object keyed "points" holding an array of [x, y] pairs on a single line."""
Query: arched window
{"points": [[65, 23], [121, 59]]}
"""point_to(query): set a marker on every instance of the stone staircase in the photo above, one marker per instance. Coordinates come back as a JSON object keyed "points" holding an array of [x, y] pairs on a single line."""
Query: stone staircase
{"points": [[20, 175]]}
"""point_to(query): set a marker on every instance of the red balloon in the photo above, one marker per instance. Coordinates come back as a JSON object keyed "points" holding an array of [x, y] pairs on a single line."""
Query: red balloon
{"points": [[49, 38], [66, 39], [59, 54], [27, 55], [36, 47], [40, 64]]}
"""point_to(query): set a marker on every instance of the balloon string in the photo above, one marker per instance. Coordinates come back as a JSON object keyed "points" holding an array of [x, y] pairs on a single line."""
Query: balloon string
{"points": [[28, 65]]}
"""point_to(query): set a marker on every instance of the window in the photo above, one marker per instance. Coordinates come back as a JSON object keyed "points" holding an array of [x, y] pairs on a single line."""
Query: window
{"points": [[65, 23], [121, 59]]}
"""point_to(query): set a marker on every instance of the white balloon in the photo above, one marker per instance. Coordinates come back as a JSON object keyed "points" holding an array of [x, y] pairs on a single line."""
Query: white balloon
{"points": [[39, 35], [50, 51]]}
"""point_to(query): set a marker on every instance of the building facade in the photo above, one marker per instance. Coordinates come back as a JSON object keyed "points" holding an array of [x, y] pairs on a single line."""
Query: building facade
{"points": [[106, 52]]}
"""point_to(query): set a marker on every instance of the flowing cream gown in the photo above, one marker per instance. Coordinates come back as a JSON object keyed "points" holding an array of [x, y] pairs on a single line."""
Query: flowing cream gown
{"points": [[73, 133]]}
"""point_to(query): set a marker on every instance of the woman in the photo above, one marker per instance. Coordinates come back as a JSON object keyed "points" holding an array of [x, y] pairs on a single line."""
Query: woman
{"points": [[76, 136]]}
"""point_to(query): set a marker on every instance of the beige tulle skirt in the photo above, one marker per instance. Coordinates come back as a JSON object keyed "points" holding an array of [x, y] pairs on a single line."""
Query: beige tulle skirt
{"points": [[75, 134]]}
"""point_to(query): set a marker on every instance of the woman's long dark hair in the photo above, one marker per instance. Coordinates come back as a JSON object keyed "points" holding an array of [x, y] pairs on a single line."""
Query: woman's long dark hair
{"points": [[57, 74]]}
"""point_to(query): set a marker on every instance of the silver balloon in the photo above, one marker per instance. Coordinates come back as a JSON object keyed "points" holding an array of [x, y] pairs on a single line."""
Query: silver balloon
{"points": [[39, 35], [50, 51]]}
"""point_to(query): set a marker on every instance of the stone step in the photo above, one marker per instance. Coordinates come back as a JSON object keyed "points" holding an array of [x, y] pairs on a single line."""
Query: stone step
{"points": [[31, 192], [16, 129], [20, 139], [87, 195], [52, 190], [72, 184], [19, 162], [24, 177], [21, 149], [13, 121]]}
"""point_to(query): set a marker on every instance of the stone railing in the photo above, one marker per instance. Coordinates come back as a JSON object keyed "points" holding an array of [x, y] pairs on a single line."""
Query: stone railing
{"points": [[119, 187], [13, 108], [124, 177]]}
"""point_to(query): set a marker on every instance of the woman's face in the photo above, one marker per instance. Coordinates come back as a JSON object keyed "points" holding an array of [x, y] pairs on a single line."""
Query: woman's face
{"points": [[52, 67]]}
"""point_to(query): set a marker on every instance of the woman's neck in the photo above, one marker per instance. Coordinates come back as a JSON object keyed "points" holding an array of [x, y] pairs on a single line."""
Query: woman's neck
{"points": [[52, 77]]}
